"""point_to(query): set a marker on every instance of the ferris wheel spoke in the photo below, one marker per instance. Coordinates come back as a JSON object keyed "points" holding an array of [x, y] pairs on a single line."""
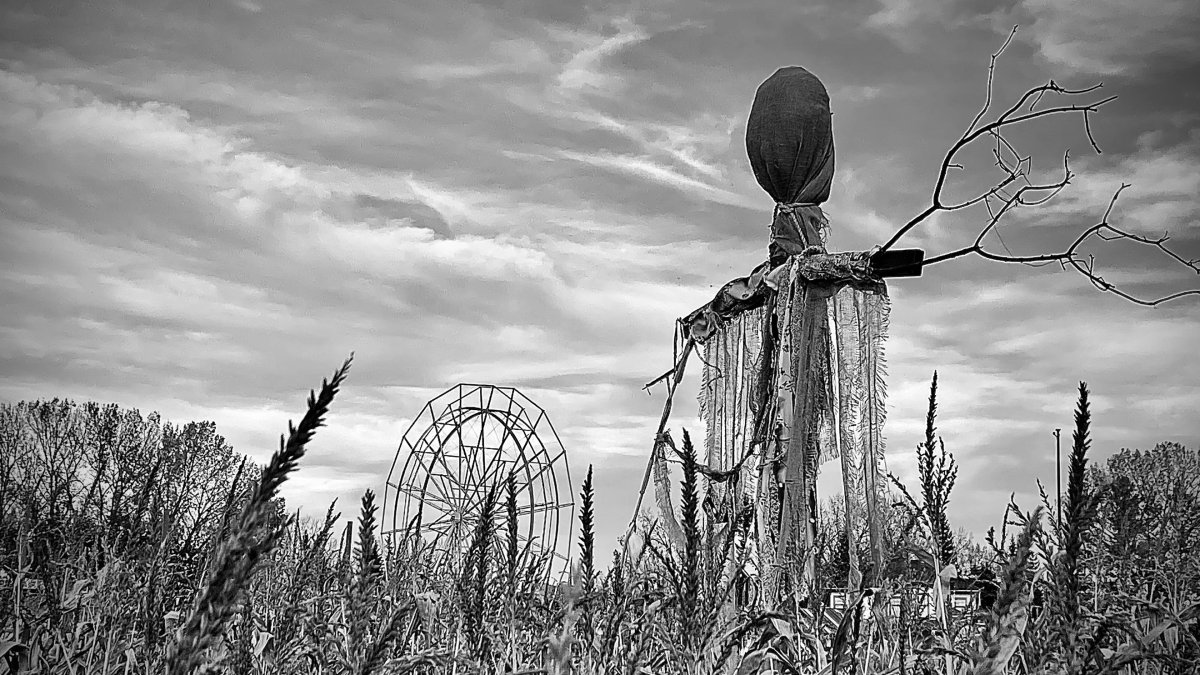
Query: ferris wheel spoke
{"points": [[417, 481], [453, 485], [483, 427], [436, 426], [456, 422], [436, 457], [472, 452], [464, 459], [514, 465], [430, 474], [492, 473], [455, 471], [540, 508], [486, 474], [522, 446], [425, 496], [442, 486], [506, 432], [437, 524], [545, 467], [443, 528], [425, 463]]}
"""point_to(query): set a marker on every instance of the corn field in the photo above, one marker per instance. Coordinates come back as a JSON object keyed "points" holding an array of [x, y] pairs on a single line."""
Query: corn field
{"points": [[131, 545]]}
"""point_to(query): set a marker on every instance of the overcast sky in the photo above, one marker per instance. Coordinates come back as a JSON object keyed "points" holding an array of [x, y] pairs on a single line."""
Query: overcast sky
{"points": [[205, 206]]}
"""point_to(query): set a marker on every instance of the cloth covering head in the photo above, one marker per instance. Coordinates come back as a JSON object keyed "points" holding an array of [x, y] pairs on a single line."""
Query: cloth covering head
{"points": [[789, 139]]}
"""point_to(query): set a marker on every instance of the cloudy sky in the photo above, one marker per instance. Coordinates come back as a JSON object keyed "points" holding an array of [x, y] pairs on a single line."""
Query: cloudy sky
{"points": [[205, 206]]}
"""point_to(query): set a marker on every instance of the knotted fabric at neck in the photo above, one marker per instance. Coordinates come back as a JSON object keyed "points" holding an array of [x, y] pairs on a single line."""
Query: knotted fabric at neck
{"points": [[795, 228]]}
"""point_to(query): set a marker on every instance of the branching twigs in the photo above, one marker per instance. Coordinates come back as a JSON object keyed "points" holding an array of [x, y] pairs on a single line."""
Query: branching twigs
{"points": [[994, 128], [1072, 256], [1016, 189]]}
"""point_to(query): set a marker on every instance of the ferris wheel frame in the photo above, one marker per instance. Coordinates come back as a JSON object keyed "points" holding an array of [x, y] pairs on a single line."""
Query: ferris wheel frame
{"points": [[438, 489]]}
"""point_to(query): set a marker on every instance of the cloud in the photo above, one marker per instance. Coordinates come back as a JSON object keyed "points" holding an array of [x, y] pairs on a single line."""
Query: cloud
{"points": [[856, 93], [895, 14], [1110, 37], [695, 145], [1106, 37], [1161, 197], [300, 229], [502, 57], [252, 7], [907, 22], [276, 219], [584, 69], [645, 168], [1007, 380]]}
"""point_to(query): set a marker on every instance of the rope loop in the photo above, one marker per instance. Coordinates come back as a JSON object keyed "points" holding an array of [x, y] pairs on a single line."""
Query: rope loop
{"points": [[791, 208]]}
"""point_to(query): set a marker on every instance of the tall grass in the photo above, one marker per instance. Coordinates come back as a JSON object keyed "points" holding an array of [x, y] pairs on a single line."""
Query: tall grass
{"points": [[251, 539], [937, 472], [272, 593]]}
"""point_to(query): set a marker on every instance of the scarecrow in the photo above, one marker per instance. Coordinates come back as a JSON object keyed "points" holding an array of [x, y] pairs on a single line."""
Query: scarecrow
{"points": [[793, 357], [793, 354]]}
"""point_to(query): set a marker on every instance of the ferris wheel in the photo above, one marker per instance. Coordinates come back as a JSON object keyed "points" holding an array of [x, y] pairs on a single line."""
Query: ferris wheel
{"points": [[462, 444]]}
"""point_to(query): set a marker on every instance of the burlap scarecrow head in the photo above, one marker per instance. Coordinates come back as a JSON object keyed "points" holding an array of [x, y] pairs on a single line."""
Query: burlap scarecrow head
{"points": [[789, 138]]}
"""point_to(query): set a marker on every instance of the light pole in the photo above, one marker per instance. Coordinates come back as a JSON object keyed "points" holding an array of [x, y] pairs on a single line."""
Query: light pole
{"points": [[1058, 471]]}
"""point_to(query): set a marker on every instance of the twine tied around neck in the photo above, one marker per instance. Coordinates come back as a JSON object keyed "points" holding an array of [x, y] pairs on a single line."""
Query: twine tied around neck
{"points": [[789, 209], [796, 227]]}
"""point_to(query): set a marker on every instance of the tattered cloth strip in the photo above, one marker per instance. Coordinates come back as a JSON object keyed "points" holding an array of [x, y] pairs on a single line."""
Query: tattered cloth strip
{"points": [[858, 322]]}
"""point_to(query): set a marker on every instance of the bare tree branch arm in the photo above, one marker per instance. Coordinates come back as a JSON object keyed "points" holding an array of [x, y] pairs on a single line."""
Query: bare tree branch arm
{"points": [[1072, 257]]}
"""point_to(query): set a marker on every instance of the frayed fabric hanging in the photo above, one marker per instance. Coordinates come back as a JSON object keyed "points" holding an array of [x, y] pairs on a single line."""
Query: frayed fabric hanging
{"points": [[858, 323], [732, 359], [827, 401]]}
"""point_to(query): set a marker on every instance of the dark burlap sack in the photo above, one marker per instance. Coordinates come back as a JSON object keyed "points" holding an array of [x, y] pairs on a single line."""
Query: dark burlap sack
{"points": [[789, 138]]}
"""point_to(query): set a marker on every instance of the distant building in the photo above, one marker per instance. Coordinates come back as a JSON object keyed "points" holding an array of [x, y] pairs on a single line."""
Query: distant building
{"points": [[962, 599]]}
